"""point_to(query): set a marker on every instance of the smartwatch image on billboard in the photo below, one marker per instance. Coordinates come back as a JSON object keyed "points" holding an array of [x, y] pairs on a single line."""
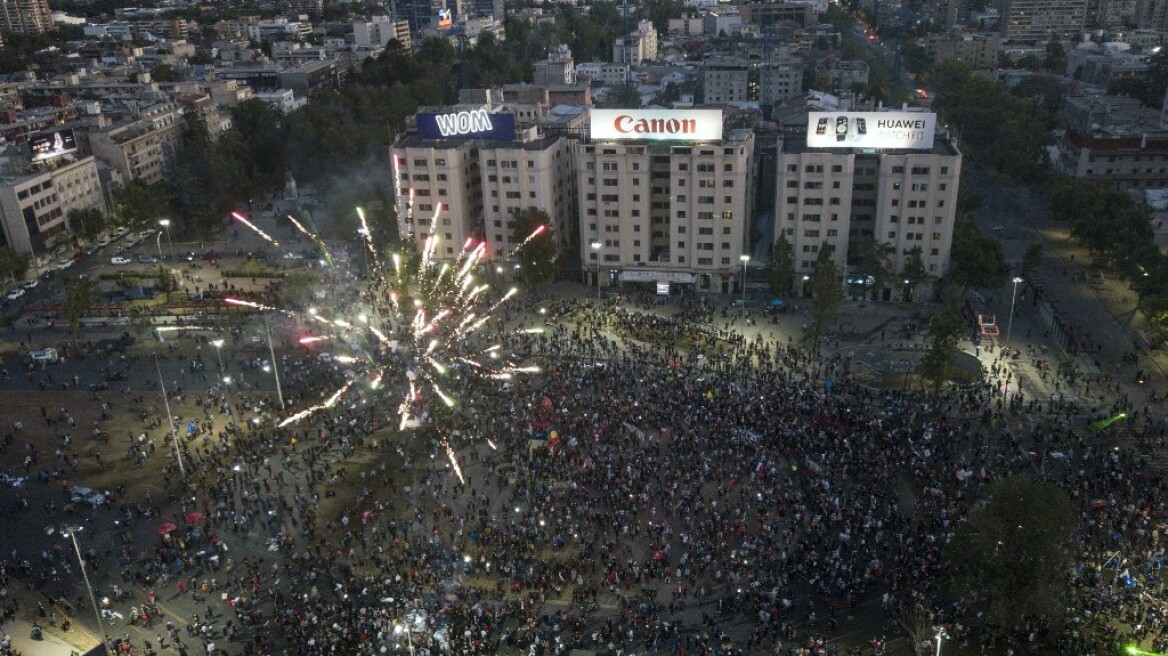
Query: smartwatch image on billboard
{"points": [[861, 126], [821, 126], [841, 128]]}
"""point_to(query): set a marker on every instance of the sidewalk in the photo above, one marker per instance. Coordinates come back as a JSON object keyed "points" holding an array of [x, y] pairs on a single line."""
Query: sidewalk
{"points": [[19, 631]]}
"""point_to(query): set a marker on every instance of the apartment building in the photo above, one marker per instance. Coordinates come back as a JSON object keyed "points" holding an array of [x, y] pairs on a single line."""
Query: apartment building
{"points": [[854, 180], [378, 31], [25, 16], [142, 147], [666, 197], [1124, 161], [640, 46], [780, 80], [1037, 21], [533, 170], [725, 80], [978, 51], [35, 203]]}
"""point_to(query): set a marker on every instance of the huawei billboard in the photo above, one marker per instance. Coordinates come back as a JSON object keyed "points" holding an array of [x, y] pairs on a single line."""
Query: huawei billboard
{"points": [[656, 124], [900, 130]]}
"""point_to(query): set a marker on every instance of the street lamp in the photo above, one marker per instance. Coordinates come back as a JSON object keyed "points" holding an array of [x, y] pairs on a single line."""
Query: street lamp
{"points": [[165, 223], [596, 247], [1013, 297], [941, 635], [173, 431], [71, 531], [745, 259]]}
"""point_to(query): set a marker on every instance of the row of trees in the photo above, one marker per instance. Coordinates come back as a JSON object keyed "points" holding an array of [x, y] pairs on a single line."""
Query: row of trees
{"points": [[1118, 233]]}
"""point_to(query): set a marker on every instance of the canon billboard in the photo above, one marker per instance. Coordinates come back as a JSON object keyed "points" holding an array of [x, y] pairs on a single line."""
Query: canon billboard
{"points": [[902, 130], [656, 124]]}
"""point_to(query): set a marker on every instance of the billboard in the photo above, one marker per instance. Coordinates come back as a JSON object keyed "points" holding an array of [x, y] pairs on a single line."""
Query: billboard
{"points": [[466, 124], [444, 19], [52, 144], [907, 130], [656, 124]]}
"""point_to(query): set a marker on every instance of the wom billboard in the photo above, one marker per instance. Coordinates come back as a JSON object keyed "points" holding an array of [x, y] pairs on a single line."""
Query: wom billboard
{"points": [[908, 130], [466, 124], [656, 124]]}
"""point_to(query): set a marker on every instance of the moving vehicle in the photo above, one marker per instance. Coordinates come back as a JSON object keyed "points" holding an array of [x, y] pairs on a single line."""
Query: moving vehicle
{"points": [[147, 259], [120, 260], [30, 284], [15, 293], [43, 355], [87, 496], [64, 264]]}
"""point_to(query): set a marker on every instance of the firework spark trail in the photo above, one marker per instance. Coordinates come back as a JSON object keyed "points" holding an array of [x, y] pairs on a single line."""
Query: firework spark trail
{"points": [[332, 400], [316, 240], [535, 233], [453, 461], [257, 306], [315, 338], [368, 235], [239, 217]]}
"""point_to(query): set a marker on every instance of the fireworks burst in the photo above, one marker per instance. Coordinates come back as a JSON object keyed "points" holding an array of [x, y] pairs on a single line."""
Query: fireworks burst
{"points": [[426, 330]]}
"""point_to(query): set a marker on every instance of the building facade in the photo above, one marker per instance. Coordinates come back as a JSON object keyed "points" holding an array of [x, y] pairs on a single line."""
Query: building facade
{"points": [[1037, 21], [1134, 162], [780, 80], [843, 197], [532, 171], [34, 207], [142, 148], [665, 211], [26, 16], [725, 80], [640, 46]]}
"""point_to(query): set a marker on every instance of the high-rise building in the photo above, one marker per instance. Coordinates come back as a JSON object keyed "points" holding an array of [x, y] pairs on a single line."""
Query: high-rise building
{"points": [[378, 31], [725, 80], [666, 197], [464, 171], [26, 16], [1037, 21], [780, 80], [1151, 14], [869, 187], [640, 46]]}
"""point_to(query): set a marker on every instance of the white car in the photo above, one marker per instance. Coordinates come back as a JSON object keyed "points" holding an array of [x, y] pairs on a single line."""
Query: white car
{"points": [[64, 264], [88, 496], [121, 231], [30, 284], [16, 293], [146, 233], [43, 355], [119, 260]]}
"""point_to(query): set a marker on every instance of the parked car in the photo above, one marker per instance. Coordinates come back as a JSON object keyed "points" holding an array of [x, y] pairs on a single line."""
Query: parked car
{"points": [[146, 233], [121, 231], [88, 496], [119, 260], [147, 259], [43, 355], [15, 294], [30, 284], [1095, 277], [105, 241], [64, 264]]}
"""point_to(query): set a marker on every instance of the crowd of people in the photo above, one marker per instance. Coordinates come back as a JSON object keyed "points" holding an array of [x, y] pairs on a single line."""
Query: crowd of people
{"points": [[666, 484]]}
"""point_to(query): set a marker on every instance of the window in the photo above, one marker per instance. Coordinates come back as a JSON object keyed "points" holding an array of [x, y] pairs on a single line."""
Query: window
{"points": [[705, 231], [812, 185], [681, 244], [944, 170], [792, 184], [892, 234], [610, 182], [937, 220], [832, 233], [894, 218], [792, 168], [836, 168], [936, 235], [681, 230], [811, 217], [813, 234], [897, 169], [792, 199], [705, 200], [896, 186], [920, 170]]}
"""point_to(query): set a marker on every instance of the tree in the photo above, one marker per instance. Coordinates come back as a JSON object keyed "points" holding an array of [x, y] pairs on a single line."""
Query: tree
{"points": [[12, 266], [944, 333], [139, 204], [536, 255], [914, 269], [1031, 258], [1012, 552], [165, 282], [87, 224], [976, 258], [781, 266], [78, 302], [873, 262], [826, 294], [1056, 57], [165, 73]]}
